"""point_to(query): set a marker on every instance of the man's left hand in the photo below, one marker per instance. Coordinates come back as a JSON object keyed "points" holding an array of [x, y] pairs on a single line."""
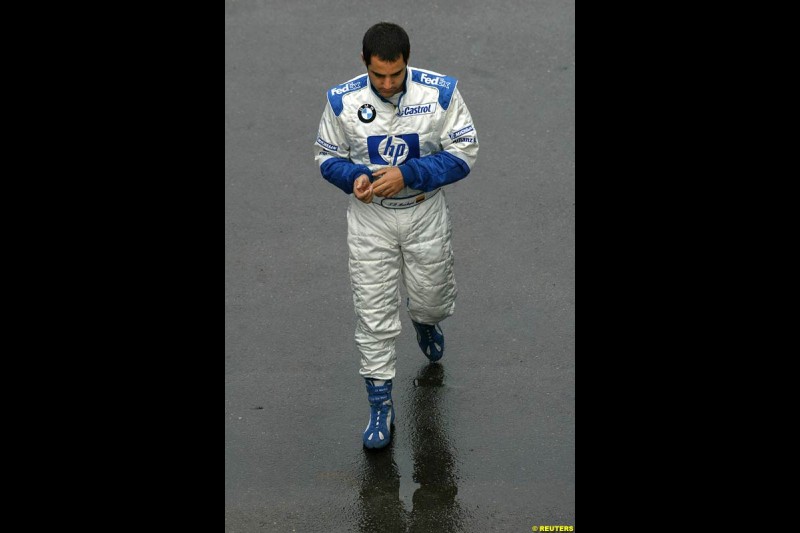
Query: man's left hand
{"points": [[389, 182]]}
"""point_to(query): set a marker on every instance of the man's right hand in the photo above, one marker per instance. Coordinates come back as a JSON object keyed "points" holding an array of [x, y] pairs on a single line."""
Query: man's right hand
{"points": [[362, 189]]}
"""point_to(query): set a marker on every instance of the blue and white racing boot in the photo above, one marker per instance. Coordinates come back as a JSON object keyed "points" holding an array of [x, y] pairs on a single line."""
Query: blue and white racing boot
{"points": [[379, 431], [430, 340]]}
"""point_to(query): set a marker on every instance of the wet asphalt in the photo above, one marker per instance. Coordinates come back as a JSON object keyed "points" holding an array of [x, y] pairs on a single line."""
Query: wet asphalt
{"points": [[484, 440]]}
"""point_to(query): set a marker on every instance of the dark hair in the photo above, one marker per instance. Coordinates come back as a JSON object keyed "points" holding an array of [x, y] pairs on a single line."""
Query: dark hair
{"points": [[386, 40]]}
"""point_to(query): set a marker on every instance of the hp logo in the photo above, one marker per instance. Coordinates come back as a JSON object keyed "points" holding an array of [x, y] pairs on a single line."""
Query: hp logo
{"points": [[392, 149]]}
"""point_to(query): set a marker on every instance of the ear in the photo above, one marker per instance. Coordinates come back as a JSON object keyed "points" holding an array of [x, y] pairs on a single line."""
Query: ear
{"points": [[362, 58]]}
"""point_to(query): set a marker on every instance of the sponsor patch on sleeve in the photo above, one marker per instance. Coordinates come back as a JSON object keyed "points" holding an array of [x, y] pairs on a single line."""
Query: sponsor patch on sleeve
{"points": [[327, 145], [460, 133]]}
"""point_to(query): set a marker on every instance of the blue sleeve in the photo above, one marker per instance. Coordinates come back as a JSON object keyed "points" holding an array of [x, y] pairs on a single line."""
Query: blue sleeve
{"points": [[433, 171], [343, 173]]}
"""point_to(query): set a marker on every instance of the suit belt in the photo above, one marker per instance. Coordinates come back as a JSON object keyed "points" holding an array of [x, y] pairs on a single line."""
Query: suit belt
{"points": [[406, 201]]}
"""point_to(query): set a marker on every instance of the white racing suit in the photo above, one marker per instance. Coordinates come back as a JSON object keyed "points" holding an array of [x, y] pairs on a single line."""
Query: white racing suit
{"points": [[430, 136]]}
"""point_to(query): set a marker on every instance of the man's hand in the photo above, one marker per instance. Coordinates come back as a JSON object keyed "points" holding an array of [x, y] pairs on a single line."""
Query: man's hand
{"points": [[390, 182], [362, 189]]}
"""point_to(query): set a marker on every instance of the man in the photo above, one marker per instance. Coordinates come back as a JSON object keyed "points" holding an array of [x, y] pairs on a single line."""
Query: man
{"points": [[392, 138]]}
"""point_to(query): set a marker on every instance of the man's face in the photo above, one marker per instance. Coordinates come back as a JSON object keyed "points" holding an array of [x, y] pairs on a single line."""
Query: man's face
{"points": [[387, 76]]}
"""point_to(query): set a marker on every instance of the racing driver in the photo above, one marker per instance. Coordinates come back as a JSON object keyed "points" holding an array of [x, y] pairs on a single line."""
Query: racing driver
{"points": [[393, 138]]}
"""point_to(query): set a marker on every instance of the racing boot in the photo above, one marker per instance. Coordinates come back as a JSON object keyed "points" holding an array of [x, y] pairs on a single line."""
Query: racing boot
{"points": [[431, 340], [381, 418]]}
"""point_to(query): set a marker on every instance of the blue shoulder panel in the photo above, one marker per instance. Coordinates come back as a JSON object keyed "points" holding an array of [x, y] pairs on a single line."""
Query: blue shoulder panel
{"points": [[336, 93], [445, 84]]}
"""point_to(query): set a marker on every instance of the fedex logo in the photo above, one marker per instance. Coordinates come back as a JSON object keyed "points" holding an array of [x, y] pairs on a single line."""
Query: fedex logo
{"points": [[434, 81], [392, 149], [346, 87]]}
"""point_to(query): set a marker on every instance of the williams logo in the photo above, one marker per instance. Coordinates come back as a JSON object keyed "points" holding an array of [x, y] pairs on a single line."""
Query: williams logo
{"points": [[419, 109], [392, 149], [366, 113]]}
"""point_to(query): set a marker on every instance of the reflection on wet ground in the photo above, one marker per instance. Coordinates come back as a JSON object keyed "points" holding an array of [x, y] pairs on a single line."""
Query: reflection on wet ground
{"points": [[434, 504]]}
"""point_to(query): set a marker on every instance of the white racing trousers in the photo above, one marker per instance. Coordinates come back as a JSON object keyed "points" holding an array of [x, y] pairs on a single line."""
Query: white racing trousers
{"points": [[385, 246]]}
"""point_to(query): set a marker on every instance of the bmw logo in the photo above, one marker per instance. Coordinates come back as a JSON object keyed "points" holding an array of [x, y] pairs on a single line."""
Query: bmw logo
{"points": [[366, 113]]}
